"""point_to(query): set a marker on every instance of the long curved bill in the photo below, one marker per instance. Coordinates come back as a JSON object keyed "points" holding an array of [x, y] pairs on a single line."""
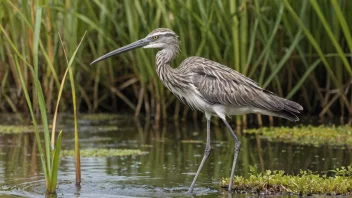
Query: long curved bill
{"points": [[134, 45]]}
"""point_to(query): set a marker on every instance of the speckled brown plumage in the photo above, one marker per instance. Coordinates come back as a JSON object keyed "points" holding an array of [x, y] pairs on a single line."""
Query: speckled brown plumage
{"points": [[210, 87]]}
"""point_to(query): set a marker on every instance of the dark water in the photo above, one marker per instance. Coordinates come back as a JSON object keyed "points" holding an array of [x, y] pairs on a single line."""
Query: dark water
{"points": [[166, 171]]}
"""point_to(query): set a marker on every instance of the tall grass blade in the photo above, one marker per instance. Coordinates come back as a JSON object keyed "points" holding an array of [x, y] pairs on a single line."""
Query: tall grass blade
{"points": [[316, 46], [36, 38], [38, 88], [284, 59], [235, 34], [343, 23], [269, 41], [30, 107], [303, 78], [69, 68], [36, 130], [331, 36], [56, 160]]}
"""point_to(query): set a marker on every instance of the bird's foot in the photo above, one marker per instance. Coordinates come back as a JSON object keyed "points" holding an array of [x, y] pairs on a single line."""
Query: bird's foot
{"points": [[189, 192]]}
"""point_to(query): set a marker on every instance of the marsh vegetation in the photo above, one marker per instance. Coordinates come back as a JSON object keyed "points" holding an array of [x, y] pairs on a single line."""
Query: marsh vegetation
{"points": [[297, 49], [300, 50]]}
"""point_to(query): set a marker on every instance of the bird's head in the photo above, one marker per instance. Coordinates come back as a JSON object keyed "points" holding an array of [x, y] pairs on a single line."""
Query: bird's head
{"points": [[159, 38]]}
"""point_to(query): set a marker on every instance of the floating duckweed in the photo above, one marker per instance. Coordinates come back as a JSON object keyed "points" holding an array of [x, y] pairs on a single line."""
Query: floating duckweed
{"points": [[8, 129], [12, 129], [306, 183], [98, 116], [102, 128], [307, 135], [104, 152], [192, 141]]}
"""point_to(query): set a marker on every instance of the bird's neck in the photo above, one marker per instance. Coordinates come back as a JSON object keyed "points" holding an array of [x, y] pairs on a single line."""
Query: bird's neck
{"points": [[163, 59], [169, 76]]}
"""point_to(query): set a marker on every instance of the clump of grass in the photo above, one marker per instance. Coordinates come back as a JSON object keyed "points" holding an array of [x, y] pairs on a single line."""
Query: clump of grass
{"points": [[104, 152], [304, 184], [35, 98], [307, 135]]}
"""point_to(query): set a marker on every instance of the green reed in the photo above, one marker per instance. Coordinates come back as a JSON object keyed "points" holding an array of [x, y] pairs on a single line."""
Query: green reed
{"points": [[28, 71], [50, 171], [297, 49]]}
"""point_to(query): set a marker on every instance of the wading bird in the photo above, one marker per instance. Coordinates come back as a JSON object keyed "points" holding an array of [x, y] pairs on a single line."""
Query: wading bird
{"points": [[210, 87]]}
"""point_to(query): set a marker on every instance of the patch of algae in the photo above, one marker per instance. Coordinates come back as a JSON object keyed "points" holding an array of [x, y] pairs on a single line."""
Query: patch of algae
{"points": [[304, 184], [307, 135], [192, 141], [104, 152], [98, 116], [15, 129], [10, 129]]}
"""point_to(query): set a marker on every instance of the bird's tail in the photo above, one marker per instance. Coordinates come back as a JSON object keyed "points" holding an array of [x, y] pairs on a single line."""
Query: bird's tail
{"points": [[289, 111]]}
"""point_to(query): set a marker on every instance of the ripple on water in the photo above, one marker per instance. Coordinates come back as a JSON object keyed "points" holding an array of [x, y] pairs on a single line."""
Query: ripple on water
{"points": [[98, 189], [98, 181], [25, 189]]}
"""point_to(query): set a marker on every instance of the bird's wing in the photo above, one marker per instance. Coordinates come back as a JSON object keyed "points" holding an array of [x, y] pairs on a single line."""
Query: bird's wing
{"points": [[219, 84]]}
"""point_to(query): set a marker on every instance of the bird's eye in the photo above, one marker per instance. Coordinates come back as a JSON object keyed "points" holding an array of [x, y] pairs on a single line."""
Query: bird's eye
{"points": [[155, 37]]}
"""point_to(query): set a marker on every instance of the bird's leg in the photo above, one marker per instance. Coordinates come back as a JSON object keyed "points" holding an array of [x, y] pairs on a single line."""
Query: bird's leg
{"points": [[206, 154], [237, 150]]}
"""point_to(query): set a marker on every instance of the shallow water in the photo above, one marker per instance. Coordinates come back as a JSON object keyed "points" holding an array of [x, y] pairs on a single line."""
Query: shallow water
{"points": [[174, 153]]}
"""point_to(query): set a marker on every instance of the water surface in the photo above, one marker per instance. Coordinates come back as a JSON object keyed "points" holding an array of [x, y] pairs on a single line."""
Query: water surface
{"points": [[174, 153]]}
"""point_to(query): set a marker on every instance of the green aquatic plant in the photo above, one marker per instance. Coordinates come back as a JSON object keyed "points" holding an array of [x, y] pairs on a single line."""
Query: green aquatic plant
{"points": [[49, 155], [305, 183], [104, 152], [307, 135], [74, 102]]}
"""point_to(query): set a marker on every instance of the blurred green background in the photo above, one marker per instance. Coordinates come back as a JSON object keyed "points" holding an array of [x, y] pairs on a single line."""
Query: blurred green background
{"points": [[299, 49]]}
